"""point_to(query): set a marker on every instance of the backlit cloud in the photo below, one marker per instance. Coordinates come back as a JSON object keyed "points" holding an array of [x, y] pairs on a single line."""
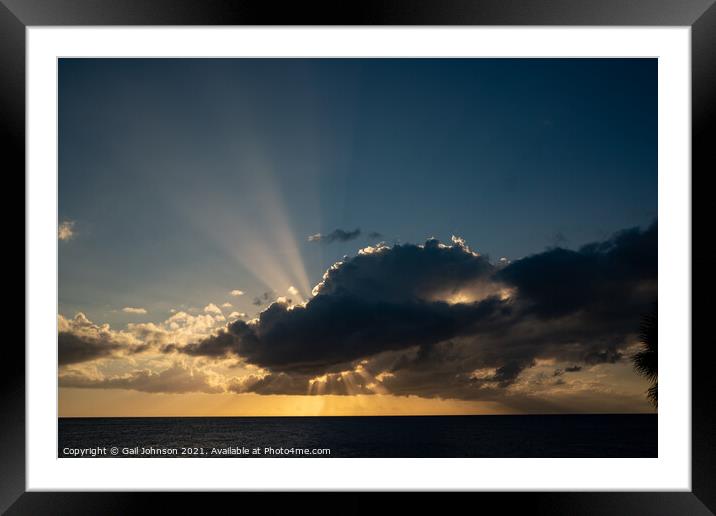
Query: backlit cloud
{"points": [[80, 340], [442, 320], [433, 320]]}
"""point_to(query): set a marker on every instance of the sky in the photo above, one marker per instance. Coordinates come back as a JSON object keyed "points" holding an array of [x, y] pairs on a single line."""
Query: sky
{"points": [[354, 236]]}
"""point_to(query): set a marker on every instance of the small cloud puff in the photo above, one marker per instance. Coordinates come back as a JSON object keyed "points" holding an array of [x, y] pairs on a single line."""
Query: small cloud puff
{"points": [[337, 235], [237, 293], [133, 310], [211, 308]]}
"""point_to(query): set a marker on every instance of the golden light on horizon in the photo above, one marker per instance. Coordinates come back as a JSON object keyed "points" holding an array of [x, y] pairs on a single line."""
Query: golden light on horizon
{"points": [[123, 403]]}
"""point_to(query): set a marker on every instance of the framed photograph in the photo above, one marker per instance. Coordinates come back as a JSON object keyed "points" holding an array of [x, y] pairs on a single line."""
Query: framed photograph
{"points": [[393, 250]]}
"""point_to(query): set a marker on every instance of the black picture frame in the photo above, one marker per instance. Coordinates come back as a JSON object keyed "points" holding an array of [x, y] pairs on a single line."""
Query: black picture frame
{"points": [[700, 15]]}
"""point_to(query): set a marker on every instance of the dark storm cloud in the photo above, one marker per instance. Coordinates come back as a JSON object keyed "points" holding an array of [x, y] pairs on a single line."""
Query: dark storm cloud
{"points": [[221, 344], [509, 372], [341, 384], [73, 348], [387, 311], [80, 340], [337, 235], [277, 383], [372, 303], [607, 278], [606, 356], [337, 329], [407, 273]]}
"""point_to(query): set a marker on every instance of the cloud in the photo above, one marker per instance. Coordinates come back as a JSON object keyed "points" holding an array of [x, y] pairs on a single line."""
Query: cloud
{"points": [[237, 293], [132, 310], [80, 340], [292, 290], [74, 348], [279, 383], [442, 320], [236, 315], [227, 305], [211, 308], [176, 379], [183, 327], [608, 280], [337, 235], [66, 230], [335, 330], [569, 369]]}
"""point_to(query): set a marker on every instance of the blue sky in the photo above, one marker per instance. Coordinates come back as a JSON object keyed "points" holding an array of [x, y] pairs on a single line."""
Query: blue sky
{"points": [[186, 179]]}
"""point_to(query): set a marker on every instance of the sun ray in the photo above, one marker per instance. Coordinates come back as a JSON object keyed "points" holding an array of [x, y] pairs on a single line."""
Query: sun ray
{"points": [[256, 232]]}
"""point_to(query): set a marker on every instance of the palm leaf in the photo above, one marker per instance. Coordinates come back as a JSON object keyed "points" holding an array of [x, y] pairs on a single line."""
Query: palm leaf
{"points": [[645, 361]]}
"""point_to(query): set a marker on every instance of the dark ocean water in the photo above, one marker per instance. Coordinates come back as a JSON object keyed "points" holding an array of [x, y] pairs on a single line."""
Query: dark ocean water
{"points": [[406, 436]]}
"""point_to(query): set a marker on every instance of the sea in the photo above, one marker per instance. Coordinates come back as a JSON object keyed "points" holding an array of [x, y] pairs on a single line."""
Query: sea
{"points": [[598, 435]]}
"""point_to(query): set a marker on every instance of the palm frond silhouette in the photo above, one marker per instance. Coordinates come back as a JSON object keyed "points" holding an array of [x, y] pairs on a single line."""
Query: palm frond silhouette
{"points": [[645, 360]]}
